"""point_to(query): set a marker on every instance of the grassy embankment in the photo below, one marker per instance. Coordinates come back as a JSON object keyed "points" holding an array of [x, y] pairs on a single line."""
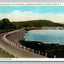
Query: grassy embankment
{"points": [[4, 31], [4, 54]]}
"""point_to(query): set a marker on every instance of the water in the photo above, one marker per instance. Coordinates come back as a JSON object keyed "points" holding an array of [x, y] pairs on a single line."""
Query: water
{"points": [[46, 36]]}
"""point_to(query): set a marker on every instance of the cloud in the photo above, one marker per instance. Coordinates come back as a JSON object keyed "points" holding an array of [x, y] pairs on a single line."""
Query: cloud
{"points": [[17, 12]]}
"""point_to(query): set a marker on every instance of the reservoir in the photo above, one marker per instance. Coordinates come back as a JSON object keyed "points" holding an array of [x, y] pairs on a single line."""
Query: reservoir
{"points": [[46, 36]]}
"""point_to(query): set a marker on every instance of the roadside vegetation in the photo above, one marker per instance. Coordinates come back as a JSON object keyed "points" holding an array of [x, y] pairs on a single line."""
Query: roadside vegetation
{"points": [[51, 49], [4, 54]]}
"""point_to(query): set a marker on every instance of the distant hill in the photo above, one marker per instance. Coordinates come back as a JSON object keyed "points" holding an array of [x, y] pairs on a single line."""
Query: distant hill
{"points": [[36, 23]]}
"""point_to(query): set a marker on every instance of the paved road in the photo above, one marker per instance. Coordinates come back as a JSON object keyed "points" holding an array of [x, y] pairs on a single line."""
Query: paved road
{"points": [[17, 52]]}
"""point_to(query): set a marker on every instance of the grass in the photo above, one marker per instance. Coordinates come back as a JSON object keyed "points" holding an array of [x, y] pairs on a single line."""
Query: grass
{"points": [[4, 54], [3, 31]]}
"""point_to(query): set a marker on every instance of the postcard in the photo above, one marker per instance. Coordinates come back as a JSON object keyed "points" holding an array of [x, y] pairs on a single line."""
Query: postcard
{"points": [[31, 31]]}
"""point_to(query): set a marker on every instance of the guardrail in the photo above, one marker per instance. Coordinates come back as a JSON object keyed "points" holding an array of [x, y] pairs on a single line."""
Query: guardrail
{"points": [[10, 42]]}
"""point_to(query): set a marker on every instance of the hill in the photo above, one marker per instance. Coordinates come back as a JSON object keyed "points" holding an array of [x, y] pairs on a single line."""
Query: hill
{"points": [[35, 23]]}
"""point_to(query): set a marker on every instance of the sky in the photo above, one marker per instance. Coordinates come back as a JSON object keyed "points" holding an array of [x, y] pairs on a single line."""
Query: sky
{"points": [[25, 13]]}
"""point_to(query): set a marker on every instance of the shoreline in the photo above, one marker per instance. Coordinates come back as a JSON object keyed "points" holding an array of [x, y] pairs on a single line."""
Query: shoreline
{"points": [[46, 42]]}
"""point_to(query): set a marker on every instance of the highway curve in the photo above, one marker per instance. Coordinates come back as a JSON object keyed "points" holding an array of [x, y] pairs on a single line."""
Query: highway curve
{"points": [[12, 48]]}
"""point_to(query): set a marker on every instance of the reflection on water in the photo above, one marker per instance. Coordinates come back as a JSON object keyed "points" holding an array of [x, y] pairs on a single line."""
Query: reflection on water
{"points": [[46, 36]]}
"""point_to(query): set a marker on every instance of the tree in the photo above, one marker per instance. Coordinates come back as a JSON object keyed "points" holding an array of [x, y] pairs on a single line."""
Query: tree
{"points": [[6, 24]]}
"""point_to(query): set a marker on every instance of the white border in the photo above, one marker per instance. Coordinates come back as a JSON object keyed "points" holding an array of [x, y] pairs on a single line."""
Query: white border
{"points": [[31, 4], [32, 59]]}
